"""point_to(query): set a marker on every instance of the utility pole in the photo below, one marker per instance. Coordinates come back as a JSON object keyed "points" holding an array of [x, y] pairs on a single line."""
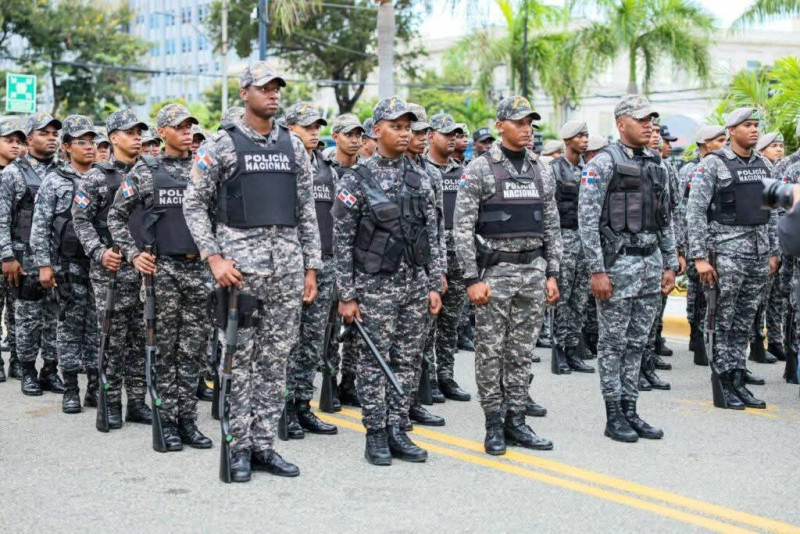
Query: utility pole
{"points": [[224, 55], [263, 21], [386, 33], [524, 77]]}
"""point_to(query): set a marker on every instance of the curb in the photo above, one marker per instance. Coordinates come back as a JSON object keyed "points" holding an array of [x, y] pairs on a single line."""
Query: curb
{"points": [[676, 326]]}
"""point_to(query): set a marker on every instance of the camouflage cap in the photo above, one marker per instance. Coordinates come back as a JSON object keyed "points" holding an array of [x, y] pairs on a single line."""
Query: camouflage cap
{"points": [[666, 135], [75, 126], [390, 109], [514, 108], [304, 114], [123, 119], [150, 135], [346, 123], [444, 123], [767, 139], [464, 127], [198, 130], [40, 121], [637, 106], [368, 124], [708, 132], [552, 146], [572, 129], [422, 118], [482, 134], [10, 126], [258, 74], [233, 113], [739, 115], [173, 115], [596, 143]]}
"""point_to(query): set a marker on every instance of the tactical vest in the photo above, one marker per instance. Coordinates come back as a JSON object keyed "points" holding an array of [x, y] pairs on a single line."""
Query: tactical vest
{"points": [[740, 203], [23, 211], [323, 201], [637, 199], [516, 209], [566, 193], [114, 179], [68, 246], [163, 225], [449, 193], [263, 190], [392, 231]]}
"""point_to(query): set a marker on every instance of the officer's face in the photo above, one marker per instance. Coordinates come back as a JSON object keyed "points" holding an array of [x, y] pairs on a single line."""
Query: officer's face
{"points": [[579, 143], [128, 142], [745, 134], [263, 100], [666, 149], [151, 149], [717, 143], [773, 152], [482, 146], [393, 136], [9, 148], [655, 138], [44, 143], [462, 141], [368, 146], [103, 152], [443, 143], [179, 138], [309, 135], [516, 134], [418, 142], [81, 150], [349, 142], [635, 132]]}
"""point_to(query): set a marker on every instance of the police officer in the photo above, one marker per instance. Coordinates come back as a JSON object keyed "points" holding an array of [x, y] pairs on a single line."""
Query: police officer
{"points": [[102, 145], [369, 143], [198, 137], [552, 149], [508, 241], [724, 215], [125, 353], [347, 132], [12, 135], [573, 279], [482, 141], [771, 146], [267, 243], [151, 142], [35, 309], [624, 221], [462, 144], [305, 121], [77, 337], [386, 253]]}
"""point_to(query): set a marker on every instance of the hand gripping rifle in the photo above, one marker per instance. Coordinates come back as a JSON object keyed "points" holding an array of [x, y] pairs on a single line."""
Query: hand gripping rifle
{"points": [[150, 352], [225, 375], [374, 350], [328, 369], [108, 313]]}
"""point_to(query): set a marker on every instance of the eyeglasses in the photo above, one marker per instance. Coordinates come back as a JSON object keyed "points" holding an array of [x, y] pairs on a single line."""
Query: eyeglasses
{"points": [[82, 143]]}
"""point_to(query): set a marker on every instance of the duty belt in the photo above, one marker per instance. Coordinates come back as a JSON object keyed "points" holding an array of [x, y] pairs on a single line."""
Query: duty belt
{"points": [[528, 256], [639, 251]]}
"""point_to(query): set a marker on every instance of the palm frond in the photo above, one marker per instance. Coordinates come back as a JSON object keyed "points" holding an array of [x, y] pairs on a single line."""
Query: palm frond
{"points": [[767, 10]]}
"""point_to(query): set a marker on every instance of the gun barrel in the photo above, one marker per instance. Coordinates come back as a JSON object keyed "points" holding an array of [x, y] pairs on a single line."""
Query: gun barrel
{"points": [[374, 350]]}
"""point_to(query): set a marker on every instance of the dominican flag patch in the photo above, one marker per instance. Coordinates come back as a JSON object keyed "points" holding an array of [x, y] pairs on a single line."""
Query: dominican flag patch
{"points": [[81, 200], [203, 159], [127, 189], [462, 182], [587, 177], [347, 198]]}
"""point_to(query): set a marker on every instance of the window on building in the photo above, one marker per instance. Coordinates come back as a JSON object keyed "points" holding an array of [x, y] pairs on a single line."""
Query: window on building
{"points": [[169, 47], [186, 15], [186, 44], [169, 18], [202, 43], [202, 68], [753, 64], [154, 21], [155, 50], [202, 13]]}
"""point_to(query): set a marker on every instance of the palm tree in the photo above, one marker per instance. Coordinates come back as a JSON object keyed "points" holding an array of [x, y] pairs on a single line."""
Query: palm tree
{"points": [[765, 10]]}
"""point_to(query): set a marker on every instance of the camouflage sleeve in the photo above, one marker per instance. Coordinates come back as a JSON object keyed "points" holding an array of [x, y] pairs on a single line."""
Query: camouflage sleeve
{"points": [[435, 227], [347, 212], [142, 182], [704, 180], [307, 220], [669, 253], [201, 193], [553, 247], [772, 225], [84, 214], [440, 267], [675, 198], [8, 178], [468, 202], [41, 227], [591, 198]]}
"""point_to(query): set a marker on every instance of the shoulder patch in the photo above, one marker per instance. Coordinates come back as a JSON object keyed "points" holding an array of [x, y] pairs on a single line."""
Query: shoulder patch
{"points": [[347, 198], [82, 200], [463, 182], [127, 189], [588, 176], [203, 158]]}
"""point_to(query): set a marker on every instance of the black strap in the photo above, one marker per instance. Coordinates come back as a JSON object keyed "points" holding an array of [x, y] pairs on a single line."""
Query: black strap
{"points": [[639, 251]]}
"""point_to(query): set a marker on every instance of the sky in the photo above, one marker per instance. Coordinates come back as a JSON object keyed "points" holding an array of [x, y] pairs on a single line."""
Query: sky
{"points": [[444, 22]]}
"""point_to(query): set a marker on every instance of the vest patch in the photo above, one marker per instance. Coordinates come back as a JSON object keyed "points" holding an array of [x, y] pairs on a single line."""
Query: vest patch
{"points": [[516, 190], [266, 162], [322, 192], [166, 197]]}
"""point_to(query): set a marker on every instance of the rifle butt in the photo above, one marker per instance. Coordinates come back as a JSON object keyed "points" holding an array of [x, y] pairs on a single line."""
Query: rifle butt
{"points": [[283, 425], [159, 443], [326, 393], [101, 421]]}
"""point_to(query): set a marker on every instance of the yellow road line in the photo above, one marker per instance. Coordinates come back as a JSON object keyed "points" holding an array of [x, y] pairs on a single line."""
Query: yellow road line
{"points": [[766, 413], [607, 480], [626, 500], [675, 326]]}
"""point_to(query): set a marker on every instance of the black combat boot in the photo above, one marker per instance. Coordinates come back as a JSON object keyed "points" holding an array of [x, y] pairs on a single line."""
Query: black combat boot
{"points": [[495, 441], [617, 427], [758, 353], [637, 424], [453, 391], [661, 347], [71, 401], [660, 364], [240, 466], [700, 354], [401, 446], [92, 387], [310, 422], [776, 349], [517, 432], [191, 435], [644, 385], [532, 409], [274, 464], [115, 414], [436, 393], [590, 340], [14, 367], [753, 379], [138, 412], [293, 428], [2, 370], [574, 361], [377, 451], [347, 391], [649, 372], [30, 384], [49, 379], [693, 337], [744, 394], [419, 414], [172, 437], [204, 393], [722, 391]]}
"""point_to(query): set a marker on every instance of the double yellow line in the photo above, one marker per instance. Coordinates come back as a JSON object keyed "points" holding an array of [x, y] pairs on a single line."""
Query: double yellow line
{"points": [[609, 488]]}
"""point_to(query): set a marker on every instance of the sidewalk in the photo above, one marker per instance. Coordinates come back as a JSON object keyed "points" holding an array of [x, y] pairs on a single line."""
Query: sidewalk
{"points": [[675, 323]]}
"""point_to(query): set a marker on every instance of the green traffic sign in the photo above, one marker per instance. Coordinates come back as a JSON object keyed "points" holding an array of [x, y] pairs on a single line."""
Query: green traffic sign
{"points": [[20, 93]]}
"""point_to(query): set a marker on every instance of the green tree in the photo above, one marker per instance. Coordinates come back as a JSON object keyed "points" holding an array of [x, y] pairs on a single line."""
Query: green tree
{"points": [[762, 11]]}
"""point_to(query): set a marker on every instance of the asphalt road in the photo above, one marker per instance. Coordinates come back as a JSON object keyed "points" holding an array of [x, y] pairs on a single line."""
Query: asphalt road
{"points": [[714, 470]]}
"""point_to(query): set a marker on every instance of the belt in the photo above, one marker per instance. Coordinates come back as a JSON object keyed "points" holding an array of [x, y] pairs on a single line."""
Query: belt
{"points": [[525, 257], [185, 256], [639, 251]]}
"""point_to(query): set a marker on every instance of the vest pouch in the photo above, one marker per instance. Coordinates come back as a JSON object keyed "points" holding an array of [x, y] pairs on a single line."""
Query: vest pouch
{"points": [[69, 246], [616, 211], [634, 216], [29, 289], [23, 221], [421, 249]]}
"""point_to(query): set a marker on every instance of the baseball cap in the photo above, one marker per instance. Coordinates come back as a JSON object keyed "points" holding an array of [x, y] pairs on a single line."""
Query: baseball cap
{"points": [[258, 74], [444, 123], [368, 124], [422, 118], [304, 114], [346, 123], [390, 109], [10, 126], [666, 135], [75, 126], [40, 121], [123, 119], [173, 115], [637, 106], [482, 134], [515, 108]]}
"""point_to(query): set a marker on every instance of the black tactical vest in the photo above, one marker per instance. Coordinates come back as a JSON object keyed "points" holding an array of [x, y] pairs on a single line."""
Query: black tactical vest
{"points": [[23, 212], [449, 193], [739, 204], [516, 209], [323, 201], [392, 230], [263, 190], [637, 199], [68, 246], [566, 193], [163, 225], [114, 179]]}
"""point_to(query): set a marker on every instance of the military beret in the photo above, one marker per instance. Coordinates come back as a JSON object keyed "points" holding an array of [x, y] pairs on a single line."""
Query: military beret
{"points": [[123, 119], [552, 146], [75, 126], [346, 123], [10, 126], [390, 109], [515, 108], [572, 129], [708, 132], [596, 143], [304, 114], [259, 74], [767, 139], [482, 134], [739, 115], [173, 115], [637, 106]]}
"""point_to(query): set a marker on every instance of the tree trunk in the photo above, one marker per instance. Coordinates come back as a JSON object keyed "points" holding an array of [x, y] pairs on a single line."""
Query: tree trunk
{"points": [[56, 102], [632, 86], [386, 32]]}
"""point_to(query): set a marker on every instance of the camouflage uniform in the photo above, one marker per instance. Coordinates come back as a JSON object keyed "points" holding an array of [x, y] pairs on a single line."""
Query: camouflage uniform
{"points": [[791, 175], [693, 296], [272, 259]]}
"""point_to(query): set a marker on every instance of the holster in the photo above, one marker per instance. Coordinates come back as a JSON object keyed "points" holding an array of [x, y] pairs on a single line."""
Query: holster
{"points": [[249, 306]]}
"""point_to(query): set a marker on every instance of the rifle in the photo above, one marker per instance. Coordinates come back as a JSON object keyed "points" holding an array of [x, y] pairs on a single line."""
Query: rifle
{"points": [[328, 370], [557, 357], [712, 294], [283, 422], [700, 354], [225, 374], [221, 310], [616, 243], [790, 371], [101, 423], [150, 351], [374, 350], [757, 352]]}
